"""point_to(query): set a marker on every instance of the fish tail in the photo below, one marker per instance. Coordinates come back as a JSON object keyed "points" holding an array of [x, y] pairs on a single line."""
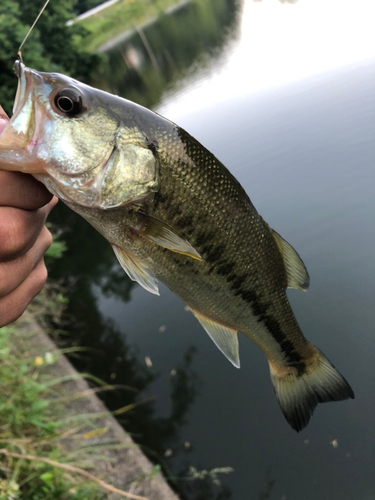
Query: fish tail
{"points": [[299, 391]]}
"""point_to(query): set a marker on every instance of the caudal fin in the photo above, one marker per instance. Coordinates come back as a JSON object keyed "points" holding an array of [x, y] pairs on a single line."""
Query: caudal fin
{"points": [[299, 394]]}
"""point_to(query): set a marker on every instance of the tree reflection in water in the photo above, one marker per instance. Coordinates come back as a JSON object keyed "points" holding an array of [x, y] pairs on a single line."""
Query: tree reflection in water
{"points": [[157, 58]]}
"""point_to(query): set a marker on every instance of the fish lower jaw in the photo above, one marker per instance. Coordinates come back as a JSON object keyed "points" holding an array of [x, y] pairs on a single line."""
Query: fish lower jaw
{"points": [[67, 192], [20, 160]]}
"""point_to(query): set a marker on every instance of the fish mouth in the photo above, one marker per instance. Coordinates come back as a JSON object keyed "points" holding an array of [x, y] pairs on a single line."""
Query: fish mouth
{"points": [[19, 130], [22, 93], [24, 89]]}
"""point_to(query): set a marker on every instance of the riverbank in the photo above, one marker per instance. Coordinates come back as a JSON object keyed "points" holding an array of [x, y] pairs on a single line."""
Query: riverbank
{"points": [[56, 437]]}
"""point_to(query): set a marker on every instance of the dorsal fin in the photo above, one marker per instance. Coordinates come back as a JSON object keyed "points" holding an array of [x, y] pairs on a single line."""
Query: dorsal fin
{"points": [[297, 274], [137, 270], [224, 338]]}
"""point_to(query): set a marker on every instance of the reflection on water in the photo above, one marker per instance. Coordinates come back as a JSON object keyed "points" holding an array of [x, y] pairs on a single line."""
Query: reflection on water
{"points": [[305, 153], [155, 57]]}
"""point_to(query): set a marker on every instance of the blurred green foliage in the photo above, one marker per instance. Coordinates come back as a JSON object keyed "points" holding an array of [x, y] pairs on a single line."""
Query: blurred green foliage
{"points": [[51, 46], [120, 17], [82, 6]]}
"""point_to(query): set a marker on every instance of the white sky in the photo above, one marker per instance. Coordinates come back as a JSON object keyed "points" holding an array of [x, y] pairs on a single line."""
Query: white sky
{"points": [[281, 43]]}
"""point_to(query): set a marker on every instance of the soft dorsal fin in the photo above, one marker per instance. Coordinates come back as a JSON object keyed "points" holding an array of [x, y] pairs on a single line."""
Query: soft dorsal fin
{"points": [[224, 338], [137, 270], [163, 235], [297, 274]]}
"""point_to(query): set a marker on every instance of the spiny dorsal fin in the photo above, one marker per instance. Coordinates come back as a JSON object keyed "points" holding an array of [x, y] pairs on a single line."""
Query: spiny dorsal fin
{"points": [[224, 338], [163, 235], [297, 274], [137, 270]]}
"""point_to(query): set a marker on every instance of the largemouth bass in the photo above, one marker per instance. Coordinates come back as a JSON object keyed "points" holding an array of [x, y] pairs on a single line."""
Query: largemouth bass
{"points": [[172, 212]]}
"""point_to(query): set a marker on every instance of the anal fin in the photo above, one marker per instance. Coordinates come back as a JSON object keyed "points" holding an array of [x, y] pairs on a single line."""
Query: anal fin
{"points": [[225, 338], [137, 270]]}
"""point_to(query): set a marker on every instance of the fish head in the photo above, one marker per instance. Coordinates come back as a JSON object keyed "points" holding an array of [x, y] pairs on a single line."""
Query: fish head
{"points": [[70, 137]]}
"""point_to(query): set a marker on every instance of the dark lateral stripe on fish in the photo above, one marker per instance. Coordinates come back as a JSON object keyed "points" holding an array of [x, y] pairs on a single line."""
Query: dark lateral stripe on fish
{"points": [[166, 200], [203, 238], [211, 253], [225, 269], [293, 357], [236, 281], [273, 326], [175, 213], [185, 221]]}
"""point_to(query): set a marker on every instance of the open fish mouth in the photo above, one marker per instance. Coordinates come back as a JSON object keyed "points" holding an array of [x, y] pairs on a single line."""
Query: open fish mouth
{"points": [[19, 130], [23, 91]]}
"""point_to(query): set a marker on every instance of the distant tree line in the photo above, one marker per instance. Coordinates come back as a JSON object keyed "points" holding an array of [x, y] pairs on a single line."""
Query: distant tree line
{"points": [[51, 46]]}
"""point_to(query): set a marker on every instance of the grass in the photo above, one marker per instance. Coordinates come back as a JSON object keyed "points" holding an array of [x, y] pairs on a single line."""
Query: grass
{"points": [[119, 18], [37, 460], [28, 427]]}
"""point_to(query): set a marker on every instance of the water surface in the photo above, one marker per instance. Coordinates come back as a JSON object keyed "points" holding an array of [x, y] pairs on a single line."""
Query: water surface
{"points": [[303, 148]]}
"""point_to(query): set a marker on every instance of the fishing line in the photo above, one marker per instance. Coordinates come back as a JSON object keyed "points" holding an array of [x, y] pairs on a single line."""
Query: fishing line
{"points": [[28, 33]]}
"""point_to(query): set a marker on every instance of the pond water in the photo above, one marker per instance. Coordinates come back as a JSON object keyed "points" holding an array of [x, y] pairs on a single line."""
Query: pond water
{"points": [[284, 95]]}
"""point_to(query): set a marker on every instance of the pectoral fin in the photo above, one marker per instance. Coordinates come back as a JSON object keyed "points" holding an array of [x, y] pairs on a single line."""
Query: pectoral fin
{"points": [[137, 270], [297, 274], [163, 235], [224, 338]]}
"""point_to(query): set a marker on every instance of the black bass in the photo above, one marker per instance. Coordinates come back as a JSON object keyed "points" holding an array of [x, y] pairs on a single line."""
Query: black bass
{"points": [[172, 212]]}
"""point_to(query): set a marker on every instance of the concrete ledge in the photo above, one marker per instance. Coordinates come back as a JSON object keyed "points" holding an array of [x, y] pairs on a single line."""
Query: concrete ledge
{"points": [[126, 468]]}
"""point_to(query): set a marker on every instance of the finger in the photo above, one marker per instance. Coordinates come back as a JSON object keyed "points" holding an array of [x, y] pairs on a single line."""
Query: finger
{"points": [[14, 272], [14, 304], [22, 191], [3, 119], [19, 229]]}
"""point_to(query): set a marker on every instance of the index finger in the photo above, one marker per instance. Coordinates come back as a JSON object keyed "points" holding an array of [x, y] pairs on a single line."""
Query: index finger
{"points": [[22, 191]]}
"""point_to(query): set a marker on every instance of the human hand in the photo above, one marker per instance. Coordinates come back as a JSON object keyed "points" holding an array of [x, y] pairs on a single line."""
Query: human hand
{"points": [[24, 206]]}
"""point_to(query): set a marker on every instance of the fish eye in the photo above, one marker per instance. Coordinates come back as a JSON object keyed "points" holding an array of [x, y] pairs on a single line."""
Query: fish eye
{"points": [[69, 101]]}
